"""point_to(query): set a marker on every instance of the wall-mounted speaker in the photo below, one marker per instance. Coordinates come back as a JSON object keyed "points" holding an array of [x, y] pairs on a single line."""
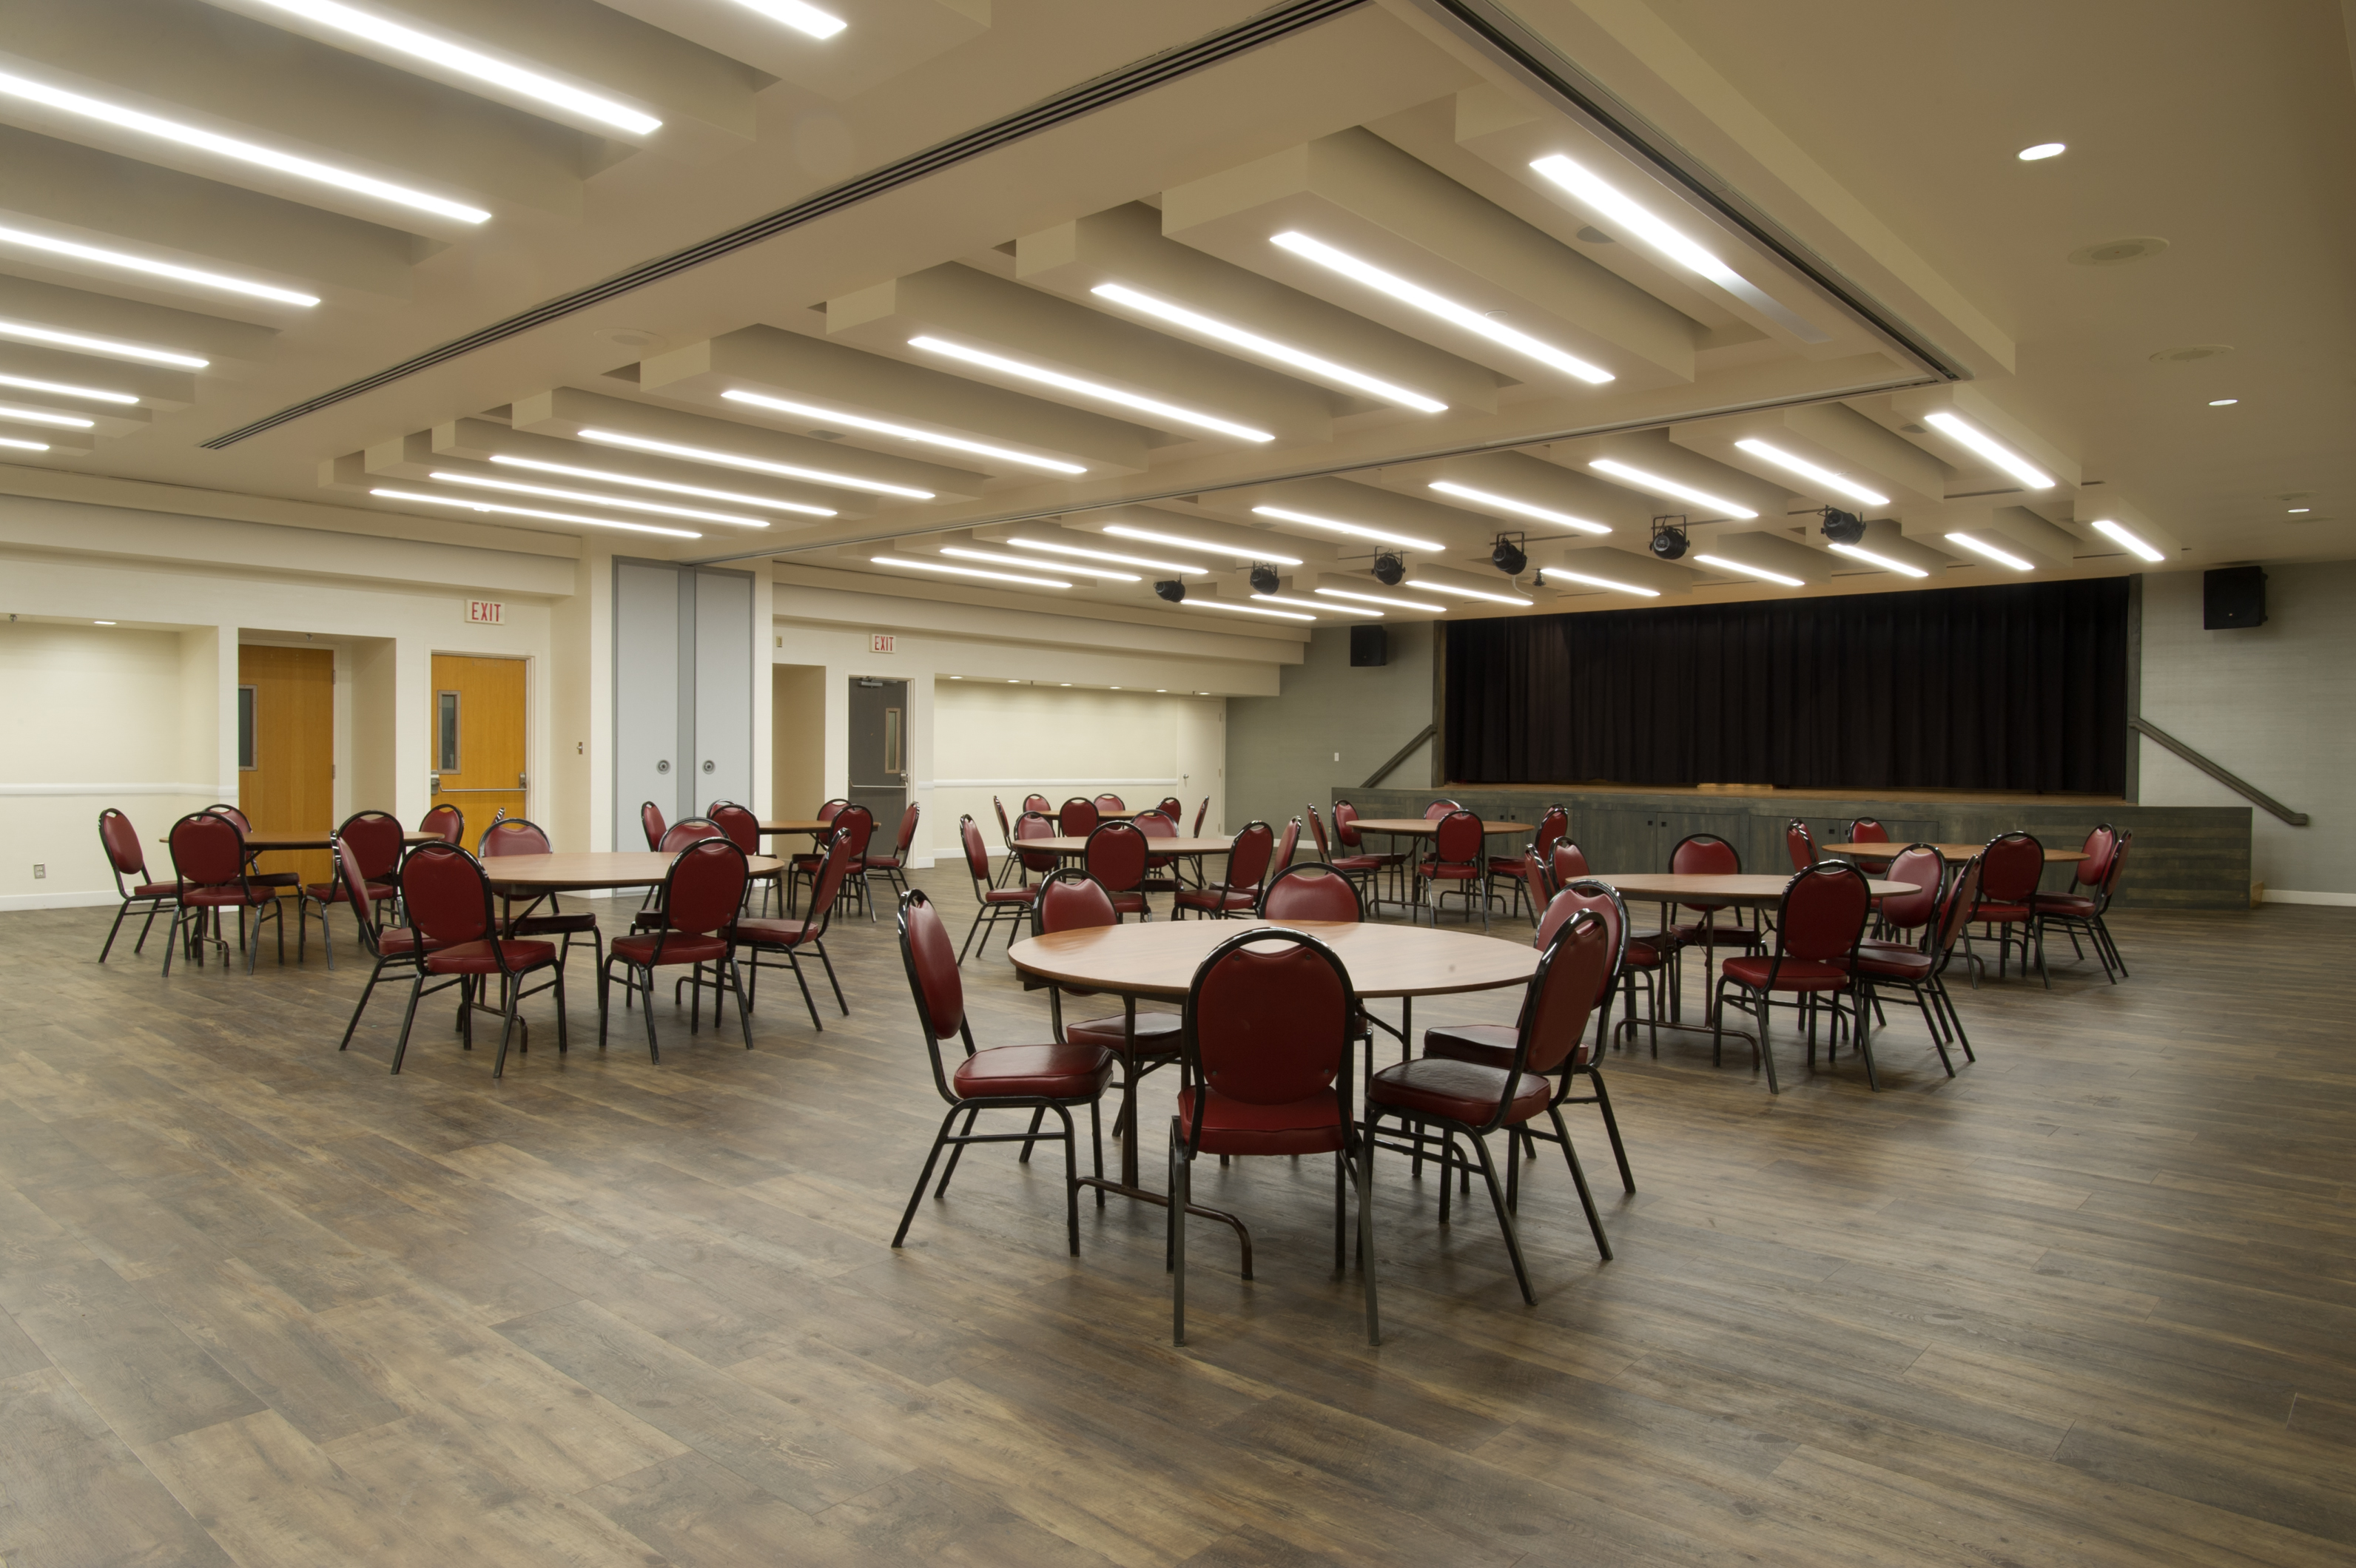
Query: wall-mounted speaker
{"points": [[2233, 597], [1369, 645]]}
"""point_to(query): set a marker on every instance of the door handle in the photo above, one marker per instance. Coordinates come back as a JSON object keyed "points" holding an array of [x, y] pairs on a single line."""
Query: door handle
{"points": [[664, 765], [709, 765]]}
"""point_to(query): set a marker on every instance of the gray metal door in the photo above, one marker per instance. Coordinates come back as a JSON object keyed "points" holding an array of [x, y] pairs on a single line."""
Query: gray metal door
{"points": [[724, 689], [648, 762], [879, 752]]}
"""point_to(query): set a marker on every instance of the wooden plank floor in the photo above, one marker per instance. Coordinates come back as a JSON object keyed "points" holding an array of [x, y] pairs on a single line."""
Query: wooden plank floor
{"points": [[2090, 1302]]}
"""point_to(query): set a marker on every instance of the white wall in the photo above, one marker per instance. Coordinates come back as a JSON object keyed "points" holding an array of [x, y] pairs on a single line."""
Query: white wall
{"points": [[2272, 704]]}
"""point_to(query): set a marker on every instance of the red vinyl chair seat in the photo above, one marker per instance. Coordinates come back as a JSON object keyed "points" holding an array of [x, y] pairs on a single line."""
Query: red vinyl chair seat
{"points": [[772, 933], [1798, 974], [1009, 895], [1349, 862], [1216, 899], [1999, 913], [398, 942], [680, 948], [1485, 1045], [227, 896], [1456, 1090], [156, 890], [1044, 1072], [882, 863], [2076, 904], [1455, 871], [1644, 954], [1232, 1126], [1131, 903], [1157, 1033], [480, 957], [1893, 960]]}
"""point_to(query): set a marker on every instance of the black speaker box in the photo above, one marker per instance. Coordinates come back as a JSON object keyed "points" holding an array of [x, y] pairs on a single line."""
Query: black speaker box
{"points": [[2231, 598], [1370, 645]]}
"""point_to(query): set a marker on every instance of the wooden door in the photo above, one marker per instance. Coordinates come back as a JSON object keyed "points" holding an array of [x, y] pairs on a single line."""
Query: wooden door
{"points": [[476, 739], [286, 749]]}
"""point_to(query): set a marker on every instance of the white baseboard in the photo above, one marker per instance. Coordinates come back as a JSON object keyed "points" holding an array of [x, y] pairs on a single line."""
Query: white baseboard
{"points": [[57, 900], [2288, 896]]}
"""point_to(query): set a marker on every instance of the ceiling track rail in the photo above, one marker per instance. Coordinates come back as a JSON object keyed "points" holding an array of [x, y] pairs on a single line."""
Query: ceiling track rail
{"points": [[1074, 104]]}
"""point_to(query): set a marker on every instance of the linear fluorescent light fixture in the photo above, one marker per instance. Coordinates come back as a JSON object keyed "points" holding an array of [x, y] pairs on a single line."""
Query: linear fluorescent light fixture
{"points": [[113, 348], [1982, 547], [801, 19], [1884, 561], [100, 256], [1357, 531], [1313, 605], [1074, 549], [1266, 348], [16, 445], [906, 565], [1791, 463], [1764, 576], [665, 486], [964, 554], [1045, 377], [589, 498], [756, 464], [1969, 435], [2117, 534], [1447, 309], [1147, 536], [903, 431], [1549, 573], [1519, 509], [458, 58], [1664, 487], [1243, 609], [27, 91], [467, 504], [1387, 604], [35, 416], [1429, 587], [62, 388]]}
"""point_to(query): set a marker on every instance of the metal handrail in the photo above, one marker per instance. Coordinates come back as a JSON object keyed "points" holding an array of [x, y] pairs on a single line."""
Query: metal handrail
{"points": [[2239, 786], [1426, 733]]}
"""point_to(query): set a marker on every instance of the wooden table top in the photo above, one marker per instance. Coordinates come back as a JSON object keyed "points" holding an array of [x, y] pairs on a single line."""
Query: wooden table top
{"points": [[1158, 847], [812, 826], [624, 868], [1419, 825], [1747, 891], [1877, 850], [1159, 958], [258, 840]]}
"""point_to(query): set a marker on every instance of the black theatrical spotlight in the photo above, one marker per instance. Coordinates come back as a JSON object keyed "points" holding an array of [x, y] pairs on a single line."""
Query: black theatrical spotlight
{"points": [[1669, 536], [1391, 569], [1264, 579], [1508, 556], [1171, 589], [1843, 527]]}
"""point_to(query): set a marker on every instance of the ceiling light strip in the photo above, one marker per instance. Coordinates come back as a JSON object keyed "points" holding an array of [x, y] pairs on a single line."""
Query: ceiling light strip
{"points": [[1655, 483], [1549, 573], [1982, 547], [608, 477], [1313, 605], [756, 464], [1969, 435], [905, 564], [62, 388], [16, 445], [1266, 348], [904, 432], [1855, 553], [1428, 584], [1150, 566], [1792, 463], [1105, 571], [1242, 609], [1387, 604], [2118, 535], [1233, 551], [113, 348], [1762, 573], [100, 256], [1193, 418], [1518, 509], [467, 504], [589, 497], [36, 416], [1358, 530], [800, 17]]}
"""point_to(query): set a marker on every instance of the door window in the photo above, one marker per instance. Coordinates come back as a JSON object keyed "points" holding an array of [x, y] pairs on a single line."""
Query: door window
{"points": [[245, 761], [892, 741], [446, 732]]}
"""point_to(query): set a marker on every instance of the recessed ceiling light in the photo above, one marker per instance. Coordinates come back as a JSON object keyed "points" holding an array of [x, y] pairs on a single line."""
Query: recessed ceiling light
{"points": [[1241, 609], [1119, 560], [34, 417], [911, 565], [1549, 573], [1124, 530], [62, 388], [1313, 605], [589, 498], [1659, 486], [2042, 151], [1519, 509], [2224, 402], [904, 432], [468, 503], [1884, 561], [2112, 531], [1989, 448], [31, 91], [801, 19], [607, 476], [1429, 587], [756, 464], [1764, 576], [962, 554], [113, 348], [1045, 377], [1794, 463], [465, 61], [177, 274], [1387, 604], [1357, 531], [1447, 309], [1982, 547], [1267, 348], [16, 445], [1633, 219]]}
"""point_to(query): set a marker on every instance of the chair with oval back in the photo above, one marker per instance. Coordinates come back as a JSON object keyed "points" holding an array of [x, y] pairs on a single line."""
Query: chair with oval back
{"points": [[1361, 869], [1800, 844], [445, 822], [449, 903], [373, 842], [258, 878], [1108, 802], [794, 936], [545, 915], [1868, 830], [1141, 1040], [213, 872], [894, 866], [128, 859], [2011, 867], [1116, 858], [2083, 912], [1036, 825], [1161, 870], [1035, 801], [390, 946], [651, 823], [1458, 858], [702, 895], [1239, 894], [1922, 969], [1552, 825], [1077, 818], [992, 902], [741, 827], [1818, 925]]}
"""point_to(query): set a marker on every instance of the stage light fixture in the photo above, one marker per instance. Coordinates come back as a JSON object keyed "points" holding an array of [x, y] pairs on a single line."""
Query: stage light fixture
{"points": [[1170, 590], [1264, 579], [1669, 537], [1843, 527], [1391, 569], [1508, 556]]}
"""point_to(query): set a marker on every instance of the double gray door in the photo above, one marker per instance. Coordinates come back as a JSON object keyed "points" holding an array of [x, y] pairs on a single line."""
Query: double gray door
{"points": [[683, 657]]}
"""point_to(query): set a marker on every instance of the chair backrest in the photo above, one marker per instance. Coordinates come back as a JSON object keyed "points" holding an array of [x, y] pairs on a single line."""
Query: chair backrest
{"points": [[1037, 825], [1172, 808], [223, 809], [1317, 831], [448, 899], [1109, 802], [1572, 975], [1704, 855], [705, 887], [2100, 845], [1287, 844], [977, 854], [1551, 828], [830, 809], [1346, 825], [2011, 867], [1868, 830], [835, 870], [1071, 900], [446, 820], [687, 831], [737, 824], [1440, 808], [1116, 856], [1154, 824], [1200, 813], [1247, 855], [930, 957], [1309, 891], [356, 892], [121, 842], [207, 850], [1458, 840], [1537, 880], [907, 833], [2118, 863], [1801, 843], [651, 823], [859, 824], [1923, 866], [1268, 1020], [1822, 913], [1039, 804], [1077, 818], [1005, 828], [513, 836], [375, 840], [1601, 900], [1569, 862], [1955, 911]]}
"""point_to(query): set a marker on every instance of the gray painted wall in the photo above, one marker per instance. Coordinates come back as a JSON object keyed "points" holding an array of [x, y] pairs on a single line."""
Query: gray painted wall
{"points": [[1280, 749]]}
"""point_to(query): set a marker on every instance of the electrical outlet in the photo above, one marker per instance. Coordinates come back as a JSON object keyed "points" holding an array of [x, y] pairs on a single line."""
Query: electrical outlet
{"points": [[40, 872]]}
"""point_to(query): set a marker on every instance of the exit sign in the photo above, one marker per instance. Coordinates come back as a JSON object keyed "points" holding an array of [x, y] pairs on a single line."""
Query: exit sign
{"points": [[485, 612], [882, 643]]}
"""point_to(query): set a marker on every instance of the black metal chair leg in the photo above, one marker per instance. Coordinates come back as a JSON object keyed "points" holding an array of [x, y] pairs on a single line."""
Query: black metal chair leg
{"points": [[1579, 1180], [923, 1176], [956, 1151], [1612, 1129], [1038, 1115], [1505, 1219]]}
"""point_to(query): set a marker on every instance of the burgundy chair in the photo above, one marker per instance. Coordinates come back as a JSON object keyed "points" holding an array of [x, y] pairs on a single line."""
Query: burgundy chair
{"points": [[1645, 960], [1077, 818], [515, 836], [1037, 825], [1568, 864], [991, 903], [2083, 912], [1109, 802], [390, 946], [701, 896], [1174, 808], [128, 859], [1247, 855], [675, 838], [792, 936], [1311, 891], [1140, 1041], [1458, 855], [859, 824], [449, 904], [1161, 870], [371, 840], [446, 821], [1285, 845], [213, 872], [1868, 830], [804, 866], [1116, 858], [1039, 804], [651, 823], [1922, 867], [1800, 844], [1707, 855], [1514, 868], [1201, 812], [1266, 1070], [1059, 1076], [1006, 837], [1346, 832], [1819, 925], [1440, 808], [1456, 1098], [259, 878], [1361, 869], [1921, 970], [894, 866], [741, 826], [2010, 868]]}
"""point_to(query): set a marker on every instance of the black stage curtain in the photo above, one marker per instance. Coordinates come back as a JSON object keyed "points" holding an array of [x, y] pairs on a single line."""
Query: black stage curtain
{"points": [[2019, 687]]}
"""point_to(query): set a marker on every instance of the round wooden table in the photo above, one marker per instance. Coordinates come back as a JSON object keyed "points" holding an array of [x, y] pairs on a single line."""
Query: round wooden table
{"points": [[580, 872], [813, 827], [1424, 827], [1155, 845], [261, 843], [1954, 852]]}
